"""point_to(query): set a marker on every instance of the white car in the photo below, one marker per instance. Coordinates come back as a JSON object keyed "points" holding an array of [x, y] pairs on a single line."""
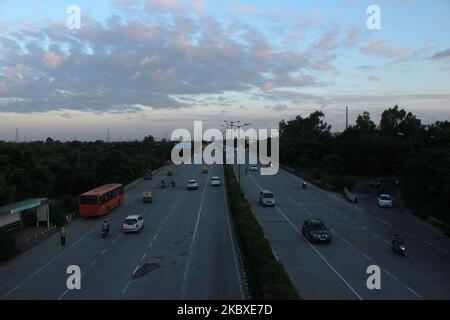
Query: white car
{"points": [[133, 223], [384, 201], [215, 181], [192, 185], [254, 168]]}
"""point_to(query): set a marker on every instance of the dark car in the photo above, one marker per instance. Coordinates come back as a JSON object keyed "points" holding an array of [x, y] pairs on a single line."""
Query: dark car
{"points": [[376, 182], [316, 231]]}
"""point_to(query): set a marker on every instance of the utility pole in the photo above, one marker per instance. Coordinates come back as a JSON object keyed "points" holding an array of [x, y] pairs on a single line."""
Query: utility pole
{"points": [[17, 136], [108, 136], [346, 118]]}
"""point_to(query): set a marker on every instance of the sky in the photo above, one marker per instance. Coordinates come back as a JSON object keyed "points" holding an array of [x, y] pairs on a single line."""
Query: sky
{"points": [[139, 67]]}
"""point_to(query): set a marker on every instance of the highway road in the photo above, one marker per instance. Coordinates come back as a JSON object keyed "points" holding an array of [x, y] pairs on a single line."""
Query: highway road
{"points": [[361, 238], [185, 251]]}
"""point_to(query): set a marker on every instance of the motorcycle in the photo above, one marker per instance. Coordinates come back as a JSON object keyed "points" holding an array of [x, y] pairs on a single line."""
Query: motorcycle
{"points": [[304, 185], [163, 185], [105, 233], [399, 248], [173, 183]]}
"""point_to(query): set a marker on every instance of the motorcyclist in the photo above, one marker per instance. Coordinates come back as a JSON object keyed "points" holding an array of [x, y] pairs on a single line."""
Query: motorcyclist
{"points": [[304, 185], [397, 241], [105, 227], [246, 170], [162, 183], [173, 182]]}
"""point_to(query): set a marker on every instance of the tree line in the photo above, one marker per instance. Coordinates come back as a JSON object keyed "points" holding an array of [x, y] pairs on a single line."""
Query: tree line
{"points": [[399, 145], [62, 170]]}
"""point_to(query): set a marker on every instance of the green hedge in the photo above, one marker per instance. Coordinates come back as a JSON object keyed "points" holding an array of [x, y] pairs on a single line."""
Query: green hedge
{"points": [[266, 277]]}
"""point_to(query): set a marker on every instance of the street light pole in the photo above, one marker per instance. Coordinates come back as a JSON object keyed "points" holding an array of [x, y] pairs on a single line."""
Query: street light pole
{"points": [[231, 124]]}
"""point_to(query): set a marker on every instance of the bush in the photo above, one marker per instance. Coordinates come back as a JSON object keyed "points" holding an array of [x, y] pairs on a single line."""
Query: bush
{"points": [[8, 245], [267, 278]]}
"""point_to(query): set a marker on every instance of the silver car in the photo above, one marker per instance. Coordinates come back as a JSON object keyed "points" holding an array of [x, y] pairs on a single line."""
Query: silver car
{"points": [[266, 198]]}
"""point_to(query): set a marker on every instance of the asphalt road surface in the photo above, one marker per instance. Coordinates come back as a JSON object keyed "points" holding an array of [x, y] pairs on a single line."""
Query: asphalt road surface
{"points": [[185, 251], [361, 237]]}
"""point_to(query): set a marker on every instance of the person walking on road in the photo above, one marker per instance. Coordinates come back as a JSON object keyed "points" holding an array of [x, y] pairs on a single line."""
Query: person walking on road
{"points": [[62, 234]]}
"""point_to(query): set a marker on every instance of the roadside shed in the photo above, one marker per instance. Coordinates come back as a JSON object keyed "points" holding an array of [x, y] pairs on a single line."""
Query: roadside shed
{"points": [[12, 216]]}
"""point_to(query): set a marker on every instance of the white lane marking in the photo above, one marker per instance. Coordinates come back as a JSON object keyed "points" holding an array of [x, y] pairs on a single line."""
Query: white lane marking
{"points": [[364, 228], [183, 287], [63, 294], [143, 257], [155, 236], [385, 241], [391, 275], [103, 252], [150, 245], [346, 218], [376, 236], [93, 262], [410, 256], [275, 255], [135, 269], [354, 222], [367, 257], [236, 267], [126, 287], [440, 273], [415, 293], [114, 241], [345, 240]]}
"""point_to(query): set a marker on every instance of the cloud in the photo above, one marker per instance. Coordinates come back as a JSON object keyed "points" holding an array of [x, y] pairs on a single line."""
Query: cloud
{"points": [[280, 108], [379, 48], [52, 60], [441, 54], [144, 60], [373, 78]]}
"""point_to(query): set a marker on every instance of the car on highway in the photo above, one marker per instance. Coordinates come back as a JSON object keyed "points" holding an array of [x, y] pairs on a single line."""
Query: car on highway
{"points": [[192, 185], [215, 182], [133, 223], [315, 230], [375, 182], [147, 197], [385, 201], [205, 169], [253, 167], [266, 198]]}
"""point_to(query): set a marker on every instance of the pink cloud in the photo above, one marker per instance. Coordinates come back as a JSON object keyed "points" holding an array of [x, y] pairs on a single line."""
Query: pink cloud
{"points": [[268, 86], [2, 86], [379, 48], [52, 60], [246, 9]]}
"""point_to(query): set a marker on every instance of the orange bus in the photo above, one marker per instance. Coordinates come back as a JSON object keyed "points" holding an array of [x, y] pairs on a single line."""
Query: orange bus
{"points": [[101, 200]]}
